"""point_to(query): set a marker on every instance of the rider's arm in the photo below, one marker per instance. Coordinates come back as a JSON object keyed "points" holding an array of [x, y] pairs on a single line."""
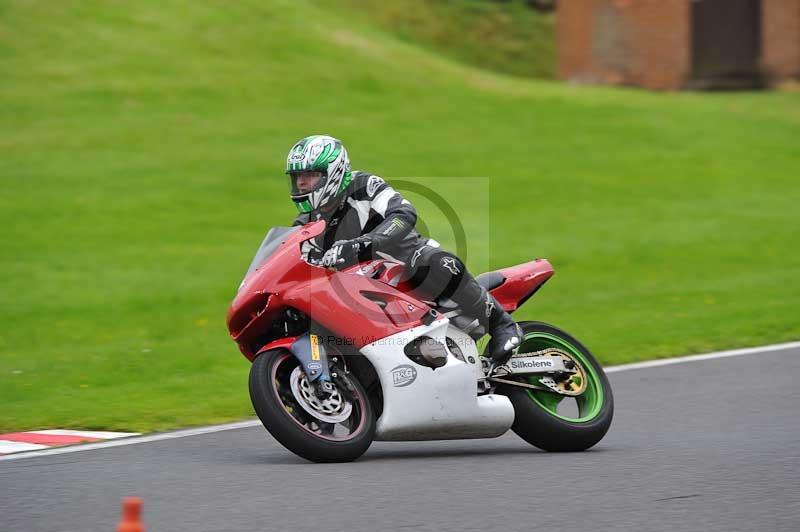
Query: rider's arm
{"points": [[399, 216], [302, 219]]}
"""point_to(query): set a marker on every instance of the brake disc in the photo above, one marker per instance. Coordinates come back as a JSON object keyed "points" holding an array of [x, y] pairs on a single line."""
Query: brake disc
{"points": [[332, 409]]}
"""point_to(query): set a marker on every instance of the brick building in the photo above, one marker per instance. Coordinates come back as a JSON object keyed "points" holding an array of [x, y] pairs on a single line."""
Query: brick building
{"points": [[675, 44]]}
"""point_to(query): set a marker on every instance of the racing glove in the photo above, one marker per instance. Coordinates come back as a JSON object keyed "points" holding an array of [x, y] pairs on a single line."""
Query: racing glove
{"points": [[345, 252]]}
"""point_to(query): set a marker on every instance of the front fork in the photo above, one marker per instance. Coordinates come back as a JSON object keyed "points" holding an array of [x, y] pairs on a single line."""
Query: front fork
{"points": [[323, 374]]}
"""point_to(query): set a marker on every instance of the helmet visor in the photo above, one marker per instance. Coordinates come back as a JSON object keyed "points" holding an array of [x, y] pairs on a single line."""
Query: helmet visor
{"points": [[302, 183]]}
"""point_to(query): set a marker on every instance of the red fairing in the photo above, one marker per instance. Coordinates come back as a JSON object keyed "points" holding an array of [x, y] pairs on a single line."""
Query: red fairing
{"points": [[521, 282], [284, 343], [357, 309]]}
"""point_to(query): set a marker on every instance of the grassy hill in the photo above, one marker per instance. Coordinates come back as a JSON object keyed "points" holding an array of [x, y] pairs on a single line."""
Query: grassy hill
{"points": [[141, 152], [506, 37]]}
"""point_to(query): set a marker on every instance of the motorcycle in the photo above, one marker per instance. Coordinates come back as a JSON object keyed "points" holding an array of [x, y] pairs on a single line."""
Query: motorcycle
{"points": [[342, 358]]}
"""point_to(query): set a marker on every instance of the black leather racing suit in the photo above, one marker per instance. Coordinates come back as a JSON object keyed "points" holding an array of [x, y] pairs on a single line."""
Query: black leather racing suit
{"points": [[372, 208]]}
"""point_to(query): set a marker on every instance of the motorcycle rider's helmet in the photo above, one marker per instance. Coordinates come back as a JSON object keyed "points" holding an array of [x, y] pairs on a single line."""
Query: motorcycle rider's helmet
{"points": [[324, 154]]}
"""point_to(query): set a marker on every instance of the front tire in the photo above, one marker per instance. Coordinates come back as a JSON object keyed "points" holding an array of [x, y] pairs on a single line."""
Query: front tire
{"points": [[285, 413], [539, 415]]}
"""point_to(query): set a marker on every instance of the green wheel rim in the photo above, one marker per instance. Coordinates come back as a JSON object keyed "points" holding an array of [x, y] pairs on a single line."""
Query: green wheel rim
{"points": [[589, 402]]}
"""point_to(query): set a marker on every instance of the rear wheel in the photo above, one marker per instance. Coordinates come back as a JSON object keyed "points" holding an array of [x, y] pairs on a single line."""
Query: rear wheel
{"points": [[336, 428], [569, 415]]}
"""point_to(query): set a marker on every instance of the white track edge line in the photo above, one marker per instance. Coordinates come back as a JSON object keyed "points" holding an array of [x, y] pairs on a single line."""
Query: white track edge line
{"points": [[8, 446], [253, 423], [701, 357], [99, 434], [134, 440]]}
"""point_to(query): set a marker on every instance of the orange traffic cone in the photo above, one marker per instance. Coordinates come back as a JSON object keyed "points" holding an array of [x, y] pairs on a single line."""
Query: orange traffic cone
{"points": [[131, 515]]}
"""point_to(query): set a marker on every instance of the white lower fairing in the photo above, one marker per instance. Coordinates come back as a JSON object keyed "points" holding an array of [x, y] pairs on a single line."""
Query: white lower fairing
{"points": [[420, 403]]}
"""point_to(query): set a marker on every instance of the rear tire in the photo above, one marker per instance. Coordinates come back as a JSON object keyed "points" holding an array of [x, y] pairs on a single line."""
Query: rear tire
{"points": [[291, 425], [536, 418]]}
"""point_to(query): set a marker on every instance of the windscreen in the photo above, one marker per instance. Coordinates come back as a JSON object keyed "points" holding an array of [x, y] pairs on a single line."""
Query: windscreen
{"points": [[274, 237]]}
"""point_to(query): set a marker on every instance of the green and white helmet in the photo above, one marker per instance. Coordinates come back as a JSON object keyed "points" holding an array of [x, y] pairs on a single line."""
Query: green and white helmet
{"points": [[318, 153]]}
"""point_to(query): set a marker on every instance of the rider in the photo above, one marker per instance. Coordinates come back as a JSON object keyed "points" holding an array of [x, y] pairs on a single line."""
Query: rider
{"points": [[365, 216]]}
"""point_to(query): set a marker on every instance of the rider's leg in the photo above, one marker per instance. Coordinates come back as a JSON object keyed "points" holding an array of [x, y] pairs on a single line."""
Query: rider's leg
{"points": [[435, 273]]}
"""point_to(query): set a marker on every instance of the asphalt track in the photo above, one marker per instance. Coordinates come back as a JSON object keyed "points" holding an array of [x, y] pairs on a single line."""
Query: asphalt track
{"points": [[700, 446]]}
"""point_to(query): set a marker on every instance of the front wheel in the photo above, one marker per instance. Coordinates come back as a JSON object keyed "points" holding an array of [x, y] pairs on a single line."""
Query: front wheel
{"points": [[573, 420], [336, 428]]}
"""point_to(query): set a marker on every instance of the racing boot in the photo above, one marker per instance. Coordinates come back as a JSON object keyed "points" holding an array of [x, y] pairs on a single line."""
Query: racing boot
{"points": [[506, 334], [475, 301]]}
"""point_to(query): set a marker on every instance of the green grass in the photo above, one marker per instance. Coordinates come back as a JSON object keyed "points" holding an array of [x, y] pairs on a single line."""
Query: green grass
{"points": [[506, 37], [141, 152]]}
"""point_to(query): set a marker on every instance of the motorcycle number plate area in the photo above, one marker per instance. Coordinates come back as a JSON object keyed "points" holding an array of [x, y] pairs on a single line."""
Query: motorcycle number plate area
{"points": [[536, 364]]}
